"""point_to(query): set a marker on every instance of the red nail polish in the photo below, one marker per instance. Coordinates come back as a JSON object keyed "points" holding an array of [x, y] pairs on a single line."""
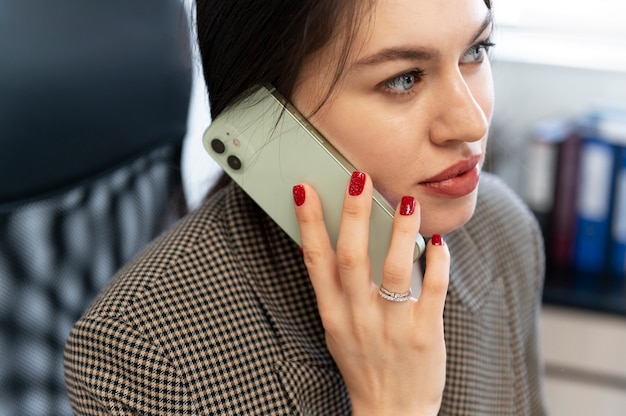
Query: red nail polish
{"points": [[298, 194], [436, 240], [407, 205], [357, 183]]}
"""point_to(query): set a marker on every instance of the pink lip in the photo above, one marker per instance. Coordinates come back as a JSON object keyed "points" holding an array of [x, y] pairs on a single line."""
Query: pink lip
{"points": [[456, 181]]}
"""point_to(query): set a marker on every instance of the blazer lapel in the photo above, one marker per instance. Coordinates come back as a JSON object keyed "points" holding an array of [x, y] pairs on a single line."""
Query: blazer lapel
{"points": [[470, 276], [276, 270]]}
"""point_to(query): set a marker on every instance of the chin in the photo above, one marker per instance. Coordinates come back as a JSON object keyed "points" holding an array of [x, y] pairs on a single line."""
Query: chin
{"points": [[443, 220]]}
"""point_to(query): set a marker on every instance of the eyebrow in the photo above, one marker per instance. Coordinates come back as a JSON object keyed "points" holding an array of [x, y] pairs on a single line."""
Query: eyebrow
{"points": [[415, 54]]}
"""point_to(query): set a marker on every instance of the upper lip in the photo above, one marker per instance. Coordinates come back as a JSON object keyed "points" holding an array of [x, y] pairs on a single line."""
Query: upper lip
{"points": [[455, 170]]}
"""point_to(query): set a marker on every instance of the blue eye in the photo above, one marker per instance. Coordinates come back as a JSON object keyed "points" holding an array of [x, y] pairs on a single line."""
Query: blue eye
{"points": [[474, 54], [404, 82]]}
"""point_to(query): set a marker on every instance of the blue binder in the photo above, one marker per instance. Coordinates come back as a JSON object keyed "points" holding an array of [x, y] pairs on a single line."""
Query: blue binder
{"points": [[593, 208], [595, 198], [618, 227]]}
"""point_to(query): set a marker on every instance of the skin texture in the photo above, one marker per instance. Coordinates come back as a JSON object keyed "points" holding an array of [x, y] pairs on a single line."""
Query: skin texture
{"points": [[401, 138], [413, 112]]}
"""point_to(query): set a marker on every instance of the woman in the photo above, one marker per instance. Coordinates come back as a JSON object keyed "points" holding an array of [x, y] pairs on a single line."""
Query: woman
{"points": [[219, 317]]}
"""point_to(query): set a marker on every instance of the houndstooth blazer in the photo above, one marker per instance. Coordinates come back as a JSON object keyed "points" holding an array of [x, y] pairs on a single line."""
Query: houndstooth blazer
{"points": [[217, 317]]}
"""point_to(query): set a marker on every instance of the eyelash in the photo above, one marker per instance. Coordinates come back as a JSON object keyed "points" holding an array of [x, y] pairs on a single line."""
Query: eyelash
{"points": [[417, 74]]}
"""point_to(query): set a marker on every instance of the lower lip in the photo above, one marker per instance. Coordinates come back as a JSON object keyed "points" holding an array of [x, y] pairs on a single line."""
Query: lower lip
{"points": [[456, 187]]}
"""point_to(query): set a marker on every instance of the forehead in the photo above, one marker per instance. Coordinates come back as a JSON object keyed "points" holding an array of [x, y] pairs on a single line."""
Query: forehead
{"points": [[423, 23]]}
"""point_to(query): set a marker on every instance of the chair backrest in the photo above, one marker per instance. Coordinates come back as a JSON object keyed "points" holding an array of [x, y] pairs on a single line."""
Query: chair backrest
{"points": [[94, 98]]}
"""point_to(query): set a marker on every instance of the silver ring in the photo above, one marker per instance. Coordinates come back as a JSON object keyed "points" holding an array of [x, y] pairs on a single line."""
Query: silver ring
{"points": [[394, 296]]}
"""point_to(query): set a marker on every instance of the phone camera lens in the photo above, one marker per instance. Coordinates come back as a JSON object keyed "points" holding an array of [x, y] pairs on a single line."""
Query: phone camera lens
{"points": [[234, 162], [218, 146]]}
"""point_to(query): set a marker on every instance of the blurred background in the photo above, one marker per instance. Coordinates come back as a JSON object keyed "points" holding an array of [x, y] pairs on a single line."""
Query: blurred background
{"points": [[102, 107], [94, 104], [559, 139]]}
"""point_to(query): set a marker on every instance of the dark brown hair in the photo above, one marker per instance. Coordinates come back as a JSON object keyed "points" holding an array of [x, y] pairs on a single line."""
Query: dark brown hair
{"points": [[247, 43]]}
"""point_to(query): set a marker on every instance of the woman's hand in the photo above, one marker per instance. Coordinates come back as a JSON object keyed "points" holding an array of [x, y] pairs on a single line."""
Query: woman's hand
{"points": [[391, 354]]}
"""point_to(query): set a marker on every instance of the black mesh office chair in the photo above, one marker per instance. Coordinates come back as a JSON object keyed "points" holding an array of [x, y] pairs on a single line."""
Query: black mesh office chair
{"points": [[93, 109]]}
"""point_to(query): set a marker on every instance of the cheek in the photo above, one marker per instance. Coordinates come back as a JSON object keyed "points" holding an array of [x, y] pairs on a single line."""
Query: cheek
{"points": [[371, 145], [483, 91], [374, 144], [485, 98], [355, 133]]}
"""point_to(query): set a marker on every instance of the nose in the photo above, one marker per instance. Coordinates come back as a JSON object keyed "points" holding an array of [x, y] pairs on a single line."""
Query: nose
{"points": [[458, 115]]}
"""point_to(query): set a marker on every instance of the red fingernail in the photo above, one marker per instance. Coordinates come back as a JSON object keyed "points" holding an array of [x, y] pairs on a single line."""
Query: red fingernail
{"points": [[436, 240], [357, 183], [298, 194], [407, 206]]}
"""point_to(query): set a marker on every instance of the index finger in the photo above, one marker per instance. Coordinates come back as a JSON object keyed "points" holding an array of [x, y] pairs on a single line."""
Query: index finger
{"points": [[319, 256]]}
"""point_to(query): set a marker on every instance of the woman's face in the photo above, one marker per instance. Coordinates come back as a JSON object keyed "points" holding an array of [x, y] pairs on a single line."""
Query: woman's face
{"points": [[414, 105]]}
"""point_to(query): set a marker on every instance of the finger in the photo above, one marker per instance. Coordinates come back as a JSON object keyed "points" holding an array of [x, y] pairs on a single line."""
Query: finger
{"points": [[436, 278], [317, 250], [352, 241], [399, 261]]}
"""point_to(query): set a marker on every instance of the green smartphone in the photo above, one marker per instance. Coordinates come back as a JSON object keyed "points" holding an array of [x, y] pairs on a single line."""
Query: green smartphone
{"points": [[266, 146]]}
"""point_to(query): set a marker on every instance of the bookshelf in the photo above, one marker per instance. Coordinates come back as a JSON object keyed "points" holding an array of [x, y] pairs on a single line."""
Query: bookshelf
{"points": [[577, 190]]}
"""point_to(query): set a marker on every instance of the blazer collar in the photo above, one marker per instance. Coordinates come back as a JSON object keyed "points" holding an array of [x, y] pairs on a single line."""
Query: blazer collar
{"points": [[273, 265]]}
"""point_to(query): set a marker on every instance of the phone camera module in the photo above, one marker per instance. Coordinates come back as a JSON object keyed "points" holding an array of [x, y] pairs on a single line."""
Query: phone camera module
{"points": [[218, 146], [234, 162]]}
